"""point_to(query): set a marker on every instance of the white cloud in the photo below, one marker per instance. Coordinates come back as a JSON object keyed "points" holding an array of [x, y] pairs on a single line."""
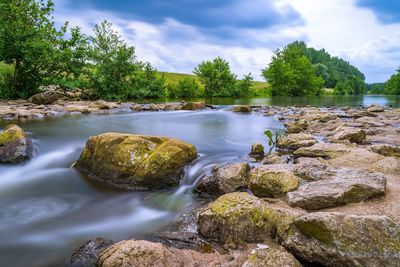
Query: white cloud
{"points": [[339, 26]]}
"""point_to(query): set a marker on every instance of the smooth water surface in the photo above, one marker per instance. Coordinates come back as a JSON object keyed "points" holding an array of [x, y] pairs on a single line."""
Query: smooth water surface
{"points": [[48, 208]]}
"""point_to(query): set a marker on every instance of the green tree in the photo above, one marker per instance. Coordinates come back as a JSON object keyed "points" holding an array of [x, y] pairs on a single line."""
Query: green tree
{"points": [[243, 87], [185, 88], [291, 73], [392, 86], [146, 82], [216, 76], [114, 62]]}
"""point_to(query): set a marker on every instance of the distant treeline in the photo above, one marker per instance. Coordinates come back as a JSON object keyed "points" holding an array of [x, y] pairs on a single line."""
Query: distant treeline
{"points": [[390, 87], [34, 52]]}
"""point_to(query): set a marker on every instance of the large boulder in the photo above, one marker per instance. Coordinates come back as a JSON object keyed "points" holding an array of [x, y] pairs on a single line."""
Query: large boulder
{"points": [[312, 169], [241, 109], [15, 145], [45, 98], [272, 180], [295, 141], [339, 187], [193, 105], [334, 239], [140, 253], [257, 150], [323, 150], [226, 179], [353, 135], [237, 218], [297, 126], [135, 161], [270, 254]]}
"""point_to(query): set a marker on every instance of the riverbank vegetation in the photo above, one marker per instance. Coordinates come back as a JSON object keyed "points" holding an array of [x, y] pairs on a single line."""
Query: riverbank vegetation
{"points": [[34, 52]]}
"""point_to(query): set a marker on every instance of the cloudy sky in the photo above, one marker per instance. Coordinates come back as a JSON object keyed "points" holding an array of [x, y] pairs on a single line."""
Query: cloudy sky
{"points": [[176, 35]]}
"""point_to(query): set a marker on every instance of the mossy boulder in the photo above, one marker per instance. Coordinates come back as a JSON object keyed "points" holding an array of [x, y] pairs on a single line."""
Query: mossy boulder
{"points": [[226, 179], [353, 135], [237, 218], [193, 105], [270, 254], [241, 109], [297, 126], [135, 161], [272, 180], [296, 141], [257, 150], [338, 187], [386, 150], [334, 239], [45, 98], [15, 145], [323, 150]]}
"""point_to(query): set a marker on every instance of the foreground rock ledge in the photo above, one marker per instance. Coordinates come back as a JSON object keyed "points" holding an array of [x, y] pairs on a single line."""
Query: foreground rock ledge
{"points": [[335, 239], [136, 162], [15, 146]]}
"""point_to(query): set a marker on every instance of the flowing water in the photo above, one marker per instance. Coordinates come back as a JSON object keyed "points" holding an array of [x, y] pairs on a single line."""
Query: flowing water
{"points": [[48, 208]]}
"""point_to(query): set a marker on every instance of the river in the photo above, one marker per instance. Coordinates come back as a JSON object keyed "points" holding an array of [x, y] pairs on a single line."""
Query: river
{"points": [[48, 208]]}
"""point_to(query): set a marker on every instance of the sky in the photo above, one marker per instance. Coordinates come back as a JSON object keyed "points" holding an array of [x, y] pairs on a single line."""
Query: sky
{"points": [[176, 35]]}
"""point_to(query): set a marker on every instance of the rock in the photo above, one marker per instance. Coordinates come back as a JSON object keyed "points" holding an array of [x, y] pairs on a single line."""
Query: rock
{"points": [[363, 113], [323, 150], [311, 169], [44, 98], [193, 106], [386, 150], [236, 218], [101, 104], [88, 253], [295, 141], [140, 253], [375, 108], [387, 165], [257, 150], [15, 145], [340, 186], [241, 109], [334, 239], [172, 107], [327, 117], [136, 107], [354, 135], [135, 161], [154, 107], [270, 254], [274, 158], [227, 179], [297, 126], [272, 181]]}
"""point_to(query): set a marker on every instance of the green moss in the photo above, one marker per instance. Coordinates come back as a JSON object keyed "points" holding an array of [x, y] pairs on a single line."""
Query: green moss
{"points": [[315, 230]]}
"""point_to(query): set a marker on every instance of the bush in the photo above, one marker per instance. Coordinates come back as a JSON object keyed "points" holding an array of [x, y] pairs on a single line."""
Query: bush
{"points": [[6, 75], [185, 88]]}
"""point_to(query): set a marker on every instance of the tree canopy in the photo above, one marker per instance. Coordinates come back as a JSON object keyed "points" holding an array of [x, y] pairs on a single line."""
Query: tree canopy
{"points": [[392, 86]]}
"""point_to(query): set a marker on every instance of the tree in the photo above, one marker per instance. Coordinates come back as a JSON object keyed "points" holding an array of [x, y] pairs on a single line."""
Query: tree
{"points": [[114, 62], [146, 82], [185, 88], [216, 76], [32, 44], [392, 86], [291, 73], [243, 87]]}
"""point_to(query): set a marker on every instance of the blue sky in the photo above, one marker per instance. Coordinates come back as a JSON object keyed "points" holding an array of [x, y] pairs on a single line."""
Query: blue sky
{"points": [[176, 35]]}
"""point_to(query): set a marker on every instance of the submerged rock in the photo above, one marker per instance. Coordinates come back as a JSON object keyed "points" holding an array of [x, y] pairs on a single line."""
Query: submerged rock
{"points": [[135, 161], [241, 109], [335, 239], [296, 141], [87, 255], [237, 218], [338, 187], [15, 145], [44, 98], [272, 181], [226, 179]]}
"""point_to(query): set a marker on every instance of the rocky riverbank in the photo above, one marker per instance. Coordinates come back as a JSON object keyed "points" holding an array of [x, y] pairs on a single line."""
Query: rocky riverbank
{"points": [[328, 195]]}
